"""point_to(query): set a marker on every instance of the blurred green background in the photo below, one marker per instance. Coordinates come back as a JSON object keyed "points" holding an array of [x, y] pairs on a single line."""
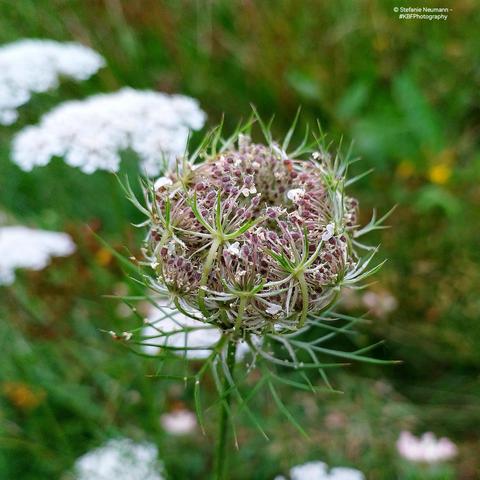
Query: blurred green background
{"points": [[406, 93]]}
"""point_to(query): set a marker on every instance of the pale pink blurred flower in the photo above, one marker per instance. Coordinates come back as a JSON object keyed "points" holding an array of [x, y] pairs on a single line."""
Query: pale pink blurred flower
{"points": [[335, 420], [380, 303], [179, 422], [426, 449]]}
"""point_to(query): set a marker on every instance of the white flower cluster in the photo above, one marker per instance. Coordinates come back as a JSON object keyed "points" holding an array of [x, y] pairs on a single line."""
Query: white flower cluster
{"points": [[426, 449], [23, 247], [90, 134], [319, 471], [193, 337], [120, 459], [29, 66]]}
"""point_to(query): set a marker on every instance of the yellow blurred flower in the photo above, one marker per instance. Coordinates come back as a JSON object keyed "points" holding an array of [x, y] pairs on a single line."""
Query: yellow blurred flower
{"points": [[439, 173], [22, 396], [103, 257]]}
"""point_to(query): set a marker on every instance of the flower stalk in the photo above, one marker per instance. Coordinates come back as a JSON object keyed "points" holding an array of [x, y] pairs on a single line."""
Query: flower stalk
{"points": [[221, 451], [207, 267]]}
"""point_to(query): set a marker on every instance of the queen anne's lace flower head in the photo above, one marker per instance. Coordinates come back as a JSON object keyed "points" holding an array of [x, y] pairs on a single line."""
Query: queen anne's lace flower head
{"points": [[22, 247], [90, 134], [252, 243], [319, 471], [252, 239], [32, 66], [120, 459], [426, 449]]}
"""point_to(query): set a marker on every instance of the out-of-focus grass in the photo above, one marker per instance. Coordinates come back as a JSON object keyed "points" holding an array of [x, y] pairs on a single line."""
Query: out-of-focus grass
{"points": [[405, 92]]}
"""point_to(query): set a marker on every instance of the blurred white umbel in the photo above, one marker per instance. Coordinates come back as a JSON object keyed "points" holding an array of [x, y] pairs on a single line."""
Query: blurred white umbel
{"points": [[31, 66], [90, 134], [319, 471], [23, 247], [167, 327], [120, 459]]}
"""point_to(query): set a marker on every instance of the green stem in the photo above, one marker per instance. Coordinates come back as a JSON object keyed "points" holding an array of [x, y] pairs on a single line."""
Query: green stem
{"points": [[241, 309], [163, 240], [221, 449], [212, 254], [304, 291]]}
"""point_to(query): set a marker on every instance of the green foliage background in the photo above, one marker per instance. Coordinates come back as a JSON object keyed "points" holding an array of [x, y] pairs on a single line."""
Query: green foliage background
{"points": [[407, 94]]}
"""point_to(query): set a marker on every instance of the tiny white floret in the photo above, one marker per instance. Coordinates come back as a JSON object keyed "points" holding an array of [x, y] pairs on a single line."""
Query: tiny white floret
{"points": [[295, 194], [247, 191], [234, 249], [273, 309], [329, 232], [162, 182]]}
